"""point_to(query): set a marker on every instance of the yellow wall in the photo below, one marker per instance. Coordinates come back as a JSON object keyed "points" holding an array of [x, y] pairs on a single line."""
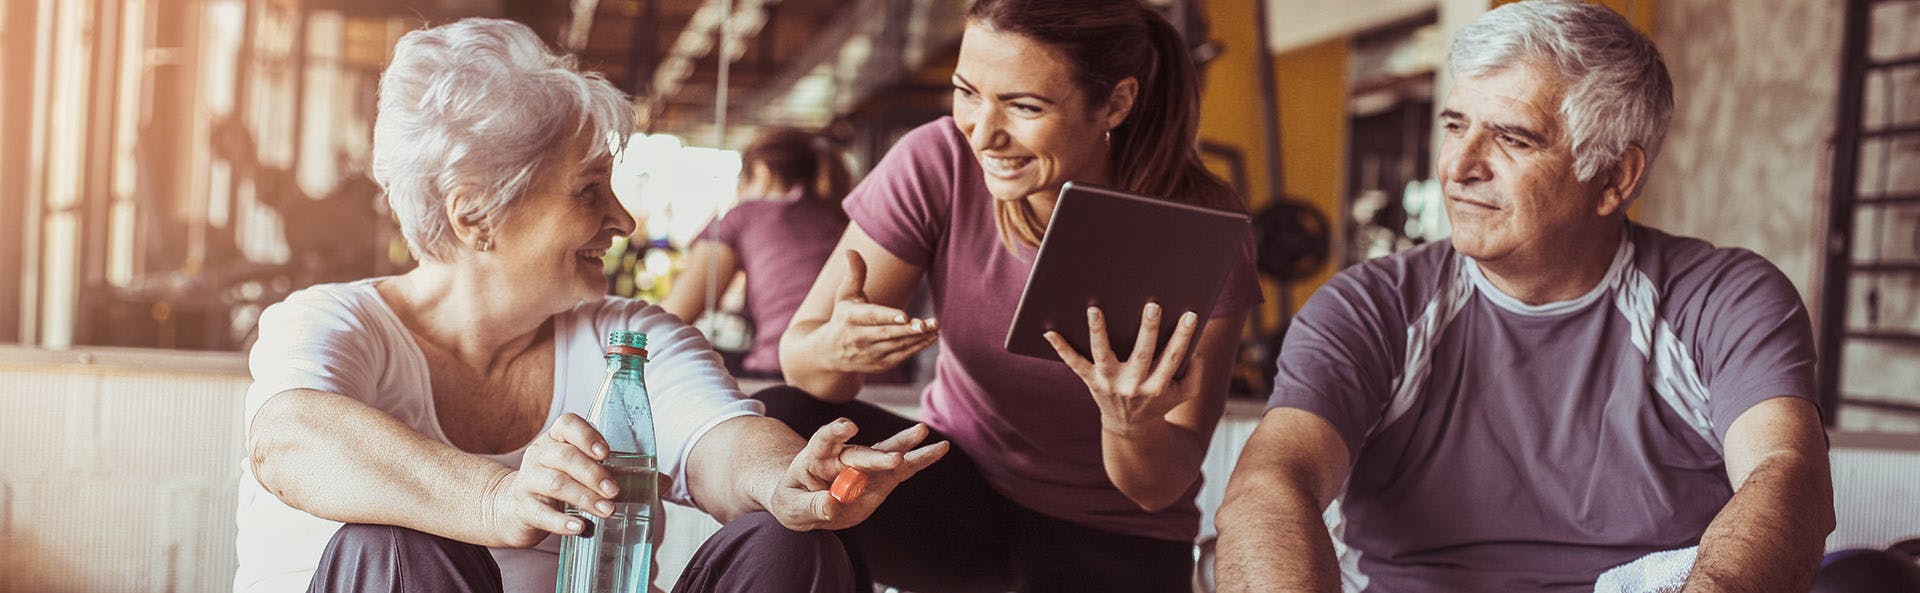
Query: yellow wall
{"points": [[1638, 12], [1312, 84]]}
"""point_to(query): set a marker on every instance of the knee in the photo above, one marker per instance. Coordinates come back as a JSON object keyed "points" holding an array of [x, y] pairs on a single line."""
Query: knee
{"points": [[357, 539], [798, 409], [1866, 571], [363, 557], [366, 540], [756, 553], [766, 536]]}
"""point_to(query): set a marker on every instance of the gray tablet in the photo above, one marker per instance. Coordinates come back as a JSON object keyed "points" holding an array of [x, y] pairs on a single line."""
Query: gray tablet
{"points": [[1118, 251]]}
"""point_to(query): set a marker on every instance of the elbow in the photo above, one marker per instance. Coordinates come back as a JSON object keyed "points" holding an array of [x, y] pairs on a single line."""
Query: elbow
{"points": [[276, 443], [1254, 497], [1825, 520], [1154, 500], [801, 369], [1236, 511], [266, 455]]}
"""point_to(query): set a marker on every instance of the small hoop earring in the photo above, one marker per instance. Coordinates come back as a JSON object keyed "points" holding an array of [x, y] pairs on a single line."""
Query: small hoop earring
{"points": [[485, 244], [1109, 136]]}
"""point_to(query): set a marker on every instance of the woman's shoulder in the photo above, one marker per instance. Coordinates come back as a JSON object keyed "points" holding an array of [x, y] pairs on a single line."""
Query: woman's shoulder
{"points": [[351, 299], [610, 308], [937, 140], [609, 313]]}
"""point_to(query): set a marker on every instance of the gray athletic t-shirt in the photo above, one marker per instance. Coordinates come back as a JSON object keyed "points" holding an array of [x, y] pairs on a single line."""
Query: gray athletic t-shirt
{"points": [[1498, 446]]}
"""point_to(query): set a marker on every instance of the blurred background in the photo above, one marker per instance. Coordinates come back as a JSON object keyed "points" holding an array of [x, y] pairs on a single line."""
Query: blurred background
{"points": [[170, 167]]}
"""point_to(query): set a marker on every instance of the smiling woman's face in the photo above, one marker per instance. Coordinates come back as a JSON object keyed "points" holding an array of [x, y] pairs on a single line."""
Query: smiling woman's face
{"points": [[556, 234], [1028, 123]]}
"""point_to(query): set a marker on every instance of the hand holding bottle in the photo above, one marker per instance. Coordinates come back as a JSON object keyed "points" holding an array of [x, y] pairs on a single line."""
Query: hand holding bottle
{"points": [[804, 500], [562, 466]]}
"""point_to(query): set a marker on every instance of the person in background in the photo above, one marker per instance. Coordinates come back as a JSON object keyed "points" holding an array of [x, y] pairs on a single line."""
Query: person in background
{"points": [[1076, 474], [420, 432], [1557, 398], [780, 235]]}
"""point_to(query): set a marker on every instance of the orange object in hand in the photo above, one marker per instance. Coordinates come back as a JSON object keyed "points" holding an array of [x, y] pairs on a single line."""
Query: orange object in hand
{"points": [[849, 485]]}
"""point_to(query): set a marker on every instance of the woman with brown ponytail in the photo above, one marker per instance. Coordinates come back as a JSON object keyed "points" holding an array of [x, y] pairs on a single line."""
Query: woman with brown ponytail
{"points": [[1064, 477], [783, 231]]}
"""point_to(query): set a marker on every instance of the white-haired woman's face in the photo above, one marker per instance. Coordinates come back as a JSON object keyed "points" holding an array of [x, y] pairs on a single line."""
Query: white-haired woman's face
{"points": [[552, 240]]}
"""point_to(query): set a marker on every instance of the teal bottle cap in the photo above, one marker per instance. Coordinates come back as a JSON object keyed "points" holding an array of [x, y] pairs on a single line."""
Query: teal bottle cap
{"points": [[627, 342], [621, 337]]}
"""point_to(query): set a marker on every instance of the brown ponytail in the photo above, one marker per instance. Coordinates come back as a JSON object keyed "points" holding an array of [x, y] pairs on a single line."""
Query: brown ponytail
{"points": [[800, 159], [1154, 151]]}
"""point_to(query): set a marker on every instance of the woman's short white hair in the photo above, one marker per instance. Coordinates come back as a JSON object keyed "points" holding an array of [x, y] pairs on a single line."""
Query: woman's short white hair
{"points": [[1618, 92], [480, 105]]}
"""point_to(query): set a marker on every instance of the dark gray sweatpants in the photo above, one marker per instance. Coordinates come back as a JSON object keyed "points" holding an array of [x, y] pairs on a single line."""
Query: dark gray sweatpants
{"points": [[753, 553]]}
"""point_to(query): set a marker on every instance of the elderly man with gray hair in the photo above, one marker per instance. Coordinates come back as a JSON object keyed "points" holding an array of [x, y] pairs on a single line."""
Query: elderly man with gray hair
{"points": [[1557, 398]]}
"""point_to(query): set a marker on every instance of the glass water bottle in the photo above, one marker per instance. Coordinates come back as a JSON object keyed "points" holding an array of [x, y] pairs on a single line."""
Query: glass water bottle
{"points": [[615, 555]]}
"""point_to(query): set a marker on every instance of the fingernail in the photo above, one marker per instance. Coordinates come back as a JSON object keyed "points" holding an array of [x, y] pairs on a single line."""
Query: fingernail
{"points": [[899, 319], [916, 325], [1093, 313], [1188, 319], [1153, 309], [608, 488], [573, 526], [605, 508], [600, 450]]}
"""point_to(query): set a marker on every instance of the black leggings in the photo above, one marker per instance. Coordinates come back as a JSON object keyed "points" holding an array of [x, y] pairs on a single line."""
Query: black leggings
{"points": [[945, 530], [753, 553]]}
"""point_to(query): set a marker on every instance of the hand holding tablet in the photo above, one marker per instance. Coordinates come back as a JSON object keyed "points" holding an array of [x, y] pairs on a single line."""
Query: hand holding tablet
{"points": [[1119, 252]]}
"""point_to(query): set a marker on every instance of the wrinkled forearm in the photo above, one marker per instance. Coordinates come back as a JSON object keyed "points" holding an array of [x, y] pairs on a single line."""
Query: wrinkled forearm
{"points": [[1272, 539], [736, 467], [338, 459], [1770, 536]]}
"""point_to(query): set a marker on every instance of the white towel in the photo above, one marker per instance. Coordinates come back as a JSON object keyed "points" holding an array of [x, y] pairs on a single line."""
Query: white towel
{"points": [[1660, 572]]}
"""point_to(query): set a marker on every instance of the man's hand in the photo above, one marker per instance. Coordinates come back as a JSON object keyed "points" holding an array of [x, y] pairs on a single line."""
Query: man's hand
{"points": [[802, 502]]}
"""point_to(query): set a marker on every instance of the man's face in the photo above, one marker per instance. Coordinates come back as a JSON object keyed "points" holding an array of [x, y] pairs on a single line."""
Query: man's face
{"points": [[1507, 167]]}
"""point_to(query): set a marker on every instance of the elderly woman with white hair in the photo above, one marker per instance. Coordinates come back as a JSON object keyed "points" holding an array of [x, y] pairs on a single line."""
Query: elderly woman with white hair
{"points": [[421, 431]]}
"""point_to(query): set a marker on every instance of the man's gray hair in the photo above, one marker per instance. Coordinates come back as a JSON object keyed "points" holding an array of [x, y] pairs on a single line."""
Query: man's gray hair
{"points": [[1618, 92], [480, 105]]}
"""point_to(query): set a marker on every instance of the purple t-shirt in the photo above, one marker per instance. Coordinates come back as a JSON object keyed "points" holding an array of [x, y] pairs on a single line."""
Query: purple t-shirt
{"points": [[1499, 446], [1030, 424], [781, 244]]}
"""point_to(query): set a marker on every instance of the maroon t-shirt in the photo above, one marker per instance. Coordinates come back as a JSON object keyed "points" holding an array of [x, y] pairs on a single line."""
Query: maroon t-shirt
{"points": [[781, 243], [1030, 424]]}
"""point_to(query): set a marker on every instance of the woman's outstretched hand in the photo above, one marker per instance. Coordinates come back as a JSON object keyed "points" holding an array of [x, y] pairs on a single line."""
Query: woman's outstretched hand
{"points": [[803, 501], [1141, 388], [862, 337]]}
